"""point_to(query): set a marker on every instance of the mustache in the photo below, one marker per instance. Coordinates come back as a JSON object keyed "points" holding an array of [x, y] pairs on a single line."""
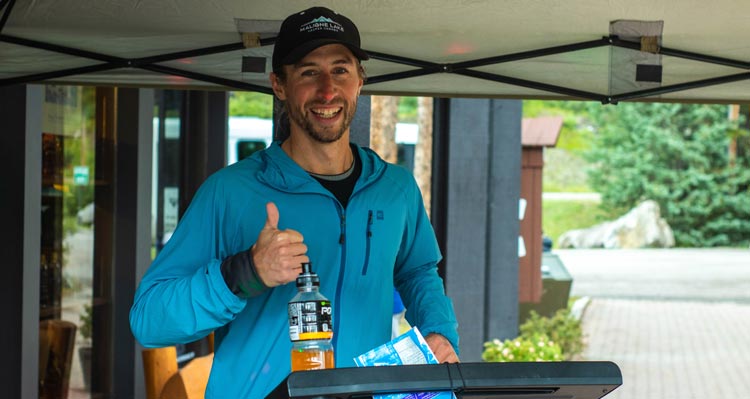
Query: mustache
{"points": [[326, 103]]}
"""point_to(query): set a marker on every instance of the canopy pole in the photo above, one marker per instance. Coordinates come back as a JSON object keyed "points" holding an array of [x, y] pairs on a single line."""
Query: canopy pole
{"points": [[679, 87], [8, 4], [534, 85], [524, 55], [617, 42]]}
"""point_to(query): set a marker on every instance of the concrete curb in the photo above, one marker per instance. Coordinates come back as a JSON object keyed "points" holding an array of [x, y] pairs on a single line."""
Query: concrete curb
{"points": [[579, 307]]}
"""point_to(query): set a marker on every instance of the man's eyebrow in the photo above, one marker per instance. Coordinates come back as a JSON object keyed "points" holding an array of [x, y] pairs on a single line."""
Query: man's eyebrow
{"points": [[347, 61], [344, 61]]}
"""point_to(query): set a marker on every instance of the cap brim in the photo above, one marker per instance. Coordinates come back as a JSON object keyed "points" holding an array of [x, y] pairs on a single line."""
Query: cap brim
{"points": [[301, 51]]}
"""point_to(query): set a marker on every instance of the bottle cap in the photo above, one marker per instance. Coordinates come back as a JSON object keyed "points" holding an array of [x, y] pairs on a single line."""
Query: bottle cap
{"points": [[307, 277]]}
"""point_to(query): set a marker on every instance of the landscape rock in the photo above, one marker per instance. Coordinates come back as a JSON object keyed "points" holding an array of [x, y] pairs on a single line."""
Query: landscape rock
{"points": [[641, 227]]}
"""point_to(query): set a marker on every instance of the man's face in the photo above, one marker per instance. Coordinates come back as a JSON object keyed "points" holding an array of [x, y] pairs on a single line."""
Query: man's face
{"points": [[321, 92]]}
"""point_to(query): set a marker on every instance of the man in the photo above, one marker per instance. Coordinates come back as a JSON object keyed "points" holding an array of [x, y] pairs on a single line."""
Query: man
{"points": [[313, 197]]}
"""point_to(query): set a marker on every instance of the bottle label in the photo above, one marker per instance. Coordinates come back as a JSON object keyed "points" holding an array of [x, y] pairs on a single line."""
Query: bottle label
{"points": [[310, 320]]}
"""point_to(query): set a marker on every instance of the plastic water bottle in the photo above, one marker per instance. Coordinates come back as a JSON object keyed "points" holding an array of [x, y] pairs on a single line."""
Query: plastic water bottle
{"points": [[310, 325]]}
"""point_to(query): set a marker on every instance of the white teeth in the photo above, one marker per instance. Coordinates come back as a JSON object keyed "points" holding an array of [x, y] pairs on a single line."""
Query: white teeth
{"points": [[326, 113]]}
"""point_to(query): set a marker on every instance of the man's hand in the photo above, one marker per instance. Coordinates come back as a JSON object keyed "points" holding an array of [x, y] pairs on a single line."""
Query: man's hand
{"points": [[278, 254], [442, 348]]}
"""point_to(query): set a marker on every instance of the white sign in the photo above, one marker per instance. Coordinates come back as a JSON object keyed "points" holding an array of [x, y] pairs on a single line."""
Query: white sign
{"points": [[171, 208], [81, 175]]}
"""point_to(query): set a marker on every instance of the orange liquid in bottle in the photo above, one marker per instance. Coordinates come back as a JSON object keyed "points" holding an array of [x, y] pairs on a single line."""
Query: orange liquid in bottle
{"points": [[312, 359]]}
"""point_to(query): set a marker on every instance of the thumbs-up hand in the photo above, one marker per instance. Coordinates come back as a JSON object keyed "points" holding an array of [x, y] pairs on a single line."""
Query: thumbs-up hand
{"points": [[278, 254]]}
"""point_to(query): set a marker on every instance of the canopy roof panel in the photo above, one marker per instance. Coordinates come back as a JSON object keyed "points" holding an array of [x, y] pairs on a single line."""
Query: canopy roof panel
{"points": [[526, 48]]}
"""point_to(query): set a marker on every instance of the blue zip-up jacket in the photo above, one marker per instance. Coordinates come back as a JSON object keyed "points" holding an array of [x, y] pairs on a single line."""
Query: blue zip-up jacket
{"points": [[382, 238]]}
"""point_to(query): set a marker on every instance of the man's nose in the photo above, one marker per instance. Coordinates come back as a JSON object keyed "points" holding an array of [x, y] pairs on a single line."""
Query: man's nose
{"points": [[326, 87]]}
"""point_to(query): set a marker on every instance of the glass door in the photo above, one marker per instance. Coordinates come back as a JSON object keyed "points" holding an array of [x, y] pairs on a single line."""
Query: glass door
{"points": [[67, 242]]}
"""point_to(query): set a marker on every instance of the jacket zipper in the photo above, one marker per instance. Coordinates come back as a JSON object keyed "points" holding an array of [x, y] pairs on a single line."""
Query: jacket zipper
{"points": [[342, 267], [368, 239], [339, 283]]}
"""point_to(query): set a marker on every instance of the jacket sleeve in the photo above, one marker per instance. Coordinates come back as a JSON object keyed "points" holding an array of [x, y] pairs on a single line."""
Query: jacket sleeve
{"points": [[416, 278], [183, 295]]}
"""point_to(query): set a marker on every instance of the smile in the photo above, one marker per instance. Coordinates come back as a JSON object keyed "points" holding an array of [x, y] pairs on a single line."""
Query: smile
{"points": [[326, 113]]}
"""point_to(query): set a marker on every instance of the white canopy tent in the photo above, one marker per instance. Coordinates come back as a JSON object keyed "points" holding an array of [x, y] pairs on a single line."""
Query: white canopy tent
{"points": [[546, 49], [459, 48]]}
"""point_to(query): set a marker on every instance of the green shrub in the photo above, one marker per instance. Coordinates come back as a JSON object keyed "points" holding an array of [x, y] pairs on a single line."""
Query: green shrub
{"points": [[536, 349], [86, 321], [562, 328], [555, 338]]}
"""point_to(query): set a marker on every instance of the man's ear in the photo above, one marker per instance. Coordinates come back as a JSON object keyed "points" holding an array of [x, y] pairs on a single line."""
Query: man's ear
{"points": [[277, 86]]}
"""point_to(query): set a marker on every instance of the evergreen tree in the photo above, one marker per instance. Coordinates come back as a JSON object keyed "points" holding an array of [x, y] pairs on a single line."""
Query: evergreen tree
{"points": [[249, 103], [677, 155]]}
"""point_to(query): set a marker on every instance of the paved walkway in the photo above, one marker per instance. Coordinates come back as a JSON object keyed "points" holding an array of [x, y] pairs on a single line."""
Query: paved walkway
{"points": [[676, 322], [671, 349]]}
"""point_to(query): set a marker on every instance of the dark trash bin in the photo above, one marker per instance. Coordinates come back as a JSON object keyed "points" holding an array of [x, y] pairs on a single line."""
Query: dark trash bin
{"points": [[556, 283]]}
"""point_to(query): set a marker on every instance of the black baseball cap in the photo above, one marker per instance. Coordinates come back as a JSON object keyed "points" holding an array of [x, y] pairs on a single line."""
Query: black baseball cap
{"points": [[307, 30]]}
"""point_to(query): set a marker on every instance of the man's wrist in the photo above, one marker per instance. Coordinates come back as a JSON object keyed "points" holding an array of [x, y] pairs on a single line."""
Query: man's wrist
{"points": [[241, 276]]}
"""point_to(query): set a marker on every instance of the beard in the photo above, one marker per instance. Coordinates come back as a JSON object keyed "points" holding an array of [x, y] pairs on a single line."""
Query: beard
{"points": [[323, 134]]}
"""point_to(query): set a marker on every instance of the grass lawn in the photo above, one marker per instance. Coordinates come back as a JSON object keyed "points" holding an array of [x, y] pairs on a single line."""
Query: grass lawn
{"points": [[559, 216]]}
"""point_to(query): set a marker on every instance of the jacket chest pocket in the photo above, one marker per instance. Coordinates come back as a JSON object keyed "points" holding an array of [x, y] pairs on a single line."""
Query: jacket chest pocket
{"points": [[382, 239]]}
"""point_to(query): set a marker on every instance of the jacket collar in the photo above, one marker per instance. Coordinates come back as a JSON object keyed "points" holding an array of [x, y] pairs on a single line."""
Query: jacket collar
{"points": [[282, 173]]}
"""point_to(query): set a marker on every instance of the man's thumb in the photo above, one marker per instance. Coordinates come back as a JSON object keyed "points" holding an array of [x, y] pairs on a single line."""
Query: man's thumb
{"points": [[272, 218]]}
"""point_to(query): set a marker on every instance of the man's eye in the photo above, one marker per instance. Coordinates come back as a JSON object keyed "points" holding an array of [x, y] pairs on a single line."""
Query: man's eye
{"points": [[340, 71], [309, 72]]}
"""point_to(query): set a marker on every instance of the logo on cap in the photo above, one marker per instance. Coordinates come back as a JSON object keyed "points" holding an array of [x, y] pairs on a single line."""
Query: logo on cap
{"points": [[321, 23]]}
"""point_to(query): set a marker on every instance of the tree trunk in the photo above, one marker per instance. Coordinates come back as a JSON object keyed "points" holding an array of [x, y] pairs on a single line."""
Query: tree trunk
{"points": [[383, 118], [734, 115], [423, 150]]}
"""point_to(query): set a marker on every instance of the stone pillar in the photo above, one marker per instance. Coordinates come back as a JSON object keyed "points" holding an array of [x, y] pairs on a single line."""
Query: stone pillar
{"points": [[476, 187]]}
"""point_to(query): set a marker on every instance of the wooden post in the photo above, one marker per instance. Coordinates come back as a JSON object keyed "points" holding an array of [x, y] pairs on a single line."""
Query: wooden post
{"points": [[423, 151], [384, 115], [734, 114], [530, 273]]}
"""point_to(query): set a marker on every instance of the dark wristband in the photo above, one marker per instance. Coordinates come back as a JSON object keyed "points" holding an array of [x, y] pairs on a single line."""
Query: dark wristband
{"points": [[240, 275]]}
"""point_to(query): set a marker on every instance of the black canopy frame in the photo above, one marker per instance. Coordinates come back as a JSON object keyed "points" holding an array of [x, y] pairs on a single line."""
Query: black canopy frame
{"points": [[422, 68]]}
